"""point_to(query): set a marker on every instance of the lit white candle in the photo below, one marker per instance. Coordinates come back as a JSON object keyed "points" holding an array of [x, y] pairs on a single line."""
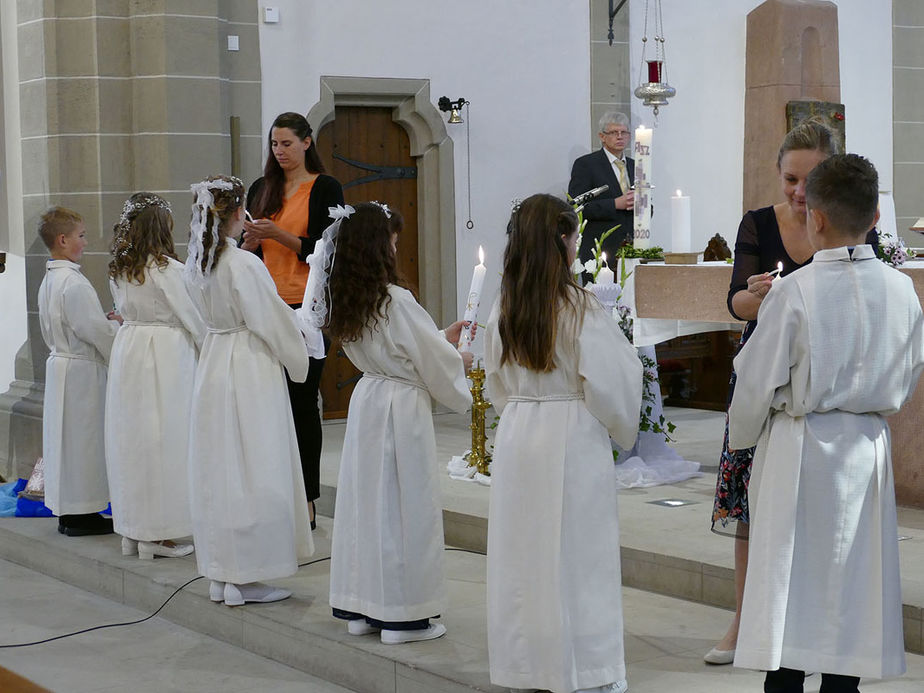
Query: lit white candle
{"points": [[778, 271], [642, 151], [605, 275], [681, 232], [471, 305]]}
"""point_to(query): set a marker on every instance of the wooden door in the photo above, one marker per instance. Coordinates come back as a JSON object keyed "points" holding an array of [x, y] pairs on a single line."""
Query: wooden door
{"points": [[370, 155]]}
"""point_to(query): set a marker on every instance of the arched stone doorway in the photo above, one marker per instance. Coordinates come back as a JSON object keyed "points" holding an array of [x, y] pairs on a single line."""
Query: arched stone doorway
{"points": [[431, 147]]}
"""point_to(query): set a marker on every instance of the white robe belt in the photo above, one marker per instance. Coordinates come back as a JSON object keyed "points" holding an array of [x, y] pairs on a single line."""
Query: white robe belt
{"points": [[226, 330], [79, 357], [145, 323], [396, 379], [566, 397]]}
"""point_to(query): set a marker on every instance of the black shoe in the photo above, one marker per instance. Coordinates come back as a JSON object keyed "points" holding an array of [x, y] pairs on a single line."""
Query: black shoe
{"points": [[84, 525], [314, 523]]}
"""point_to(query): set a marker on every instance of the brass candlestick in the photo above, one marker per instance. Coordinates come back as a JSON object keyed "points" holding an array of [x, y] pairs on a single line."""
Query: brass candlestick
{"points": [[479, 457]]}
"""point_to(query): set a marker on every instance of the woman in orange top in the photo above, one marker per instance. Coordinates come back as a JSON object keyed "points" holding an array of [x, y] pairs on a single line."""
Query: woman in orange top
{"points": [[289, 204]]}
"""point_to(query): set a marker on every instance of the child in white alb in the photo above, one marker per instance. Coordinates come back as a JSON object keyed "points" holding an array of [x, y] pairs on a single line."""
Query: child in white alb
{"points": [[249, 510], [79, 335], [839, 345], [151, 376]]}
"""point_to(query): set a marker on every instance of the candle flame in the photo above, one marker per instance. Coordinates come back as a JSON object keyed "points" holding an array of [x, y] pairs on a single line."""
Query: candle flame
{"points": [[603, 255], [779, 266], [679, 194], [480, 255]]}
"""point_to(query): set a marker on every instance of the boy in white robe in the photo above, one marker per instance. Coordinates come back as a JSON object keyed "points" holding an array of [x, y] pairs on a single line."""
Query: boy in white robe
{"points": [[839, 345], [79, 336]]}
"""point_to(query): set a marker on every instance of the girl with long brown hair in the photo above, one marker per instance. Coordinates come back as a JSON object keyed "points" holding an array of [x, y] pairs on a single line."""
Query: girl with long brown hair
{"points": [[148, 408], [249, 511], [387, 554], [564, 379], [289, 204]]}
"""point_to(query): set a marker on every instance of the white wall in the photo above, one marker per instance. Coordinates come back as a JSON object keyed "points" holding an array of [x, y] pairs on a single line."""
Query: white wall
{"points": [[523, 64], [698, 143]]}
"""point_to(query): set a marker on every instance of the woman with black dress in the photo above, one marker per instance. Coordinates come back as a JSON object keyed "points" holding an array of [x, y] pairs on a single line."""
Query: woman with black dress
{"points": [[289, 206], [767, 238]]}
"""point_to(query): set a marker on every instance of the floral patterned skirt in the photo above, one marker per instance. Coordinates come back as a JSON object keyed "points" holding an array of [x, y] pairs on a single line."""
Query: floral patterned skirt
{"points": [[731, 489]]}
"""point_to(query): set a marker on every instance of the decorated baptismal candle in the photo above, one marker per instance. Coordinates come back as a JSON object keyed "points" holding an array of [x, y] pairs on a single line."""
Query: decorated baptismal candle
{"points": [[681, 233], [471, 305], [642, 151], [605, 275]]}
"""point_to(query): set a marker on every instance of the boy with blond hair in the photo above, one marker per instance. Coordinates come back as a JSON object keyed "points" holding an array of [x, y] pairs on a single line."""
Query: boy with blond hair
{"points": [[839, 346], [79, 336]]}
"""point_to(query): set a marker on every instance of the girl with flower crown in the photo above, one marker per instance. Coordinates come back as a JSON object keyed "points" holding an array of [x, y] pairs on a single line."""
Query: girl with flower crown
{"points": [[386, 571], [151, 372], [249, 511], [565, 379]]}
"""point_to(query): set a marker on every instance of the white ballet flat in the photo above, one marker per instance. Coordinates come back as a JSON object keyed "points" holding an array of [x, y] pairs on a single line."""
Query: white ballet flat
{"points": [[359, 626], [129, 546], [254, 592], [399, 637], [216, 591], [148, 549], [715, 656]]}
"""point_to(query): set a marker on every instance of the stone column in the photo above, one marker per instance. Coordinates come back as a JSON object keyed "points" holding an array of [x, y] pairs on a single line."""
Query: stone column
{"points": [[117, 97], [792, 53], [610, 81]]}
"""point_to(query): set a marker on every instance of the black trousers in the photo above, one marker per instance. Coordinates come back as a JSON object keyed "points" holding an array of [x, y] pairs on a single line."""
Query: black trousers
{"points": [[303, 397], [790, 681], [384, 625]]}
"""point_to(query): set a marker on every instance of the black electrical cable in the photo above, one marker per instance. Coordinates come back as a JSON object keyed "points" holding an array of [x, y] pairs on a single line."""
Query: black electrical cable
{"points": [[130, 623], [161, 607]]}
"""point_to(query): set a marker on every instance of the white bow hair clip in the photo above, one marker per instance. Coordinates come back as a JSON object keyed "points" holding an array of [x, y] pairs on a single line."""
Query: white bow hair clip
{"points": [[384, 208], [340, 212]]}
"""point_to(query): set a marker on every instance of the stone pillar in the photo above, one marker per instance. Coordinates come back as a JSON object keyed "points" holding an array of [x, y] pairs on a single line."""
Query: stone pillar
{"points": [[117, 97], [792, 53], [610, 81]]}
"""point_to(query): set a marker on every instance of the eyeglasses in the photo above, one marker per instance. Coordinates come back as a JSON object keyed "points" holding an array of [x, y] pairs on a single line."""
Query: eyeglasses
{"points": [[617, 133]]}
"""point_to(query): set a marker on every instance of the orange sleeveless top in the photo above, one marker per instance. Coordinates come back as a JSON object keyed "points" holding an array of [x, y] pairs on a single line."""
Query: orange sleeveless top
{"points": [[289, 273]]}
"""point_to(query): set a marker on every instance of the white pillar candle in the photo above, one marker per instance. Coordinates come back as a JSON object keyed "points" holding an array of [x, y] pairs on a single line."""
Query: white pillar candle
{"points": [[681, 232], [471, 305], [642, 151], [605, 275]]}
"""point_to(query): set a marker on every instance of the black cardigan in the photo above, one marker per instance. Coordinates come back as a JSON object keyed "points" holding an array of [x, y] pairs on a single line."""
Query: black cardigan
{"points": [[326, 192]]}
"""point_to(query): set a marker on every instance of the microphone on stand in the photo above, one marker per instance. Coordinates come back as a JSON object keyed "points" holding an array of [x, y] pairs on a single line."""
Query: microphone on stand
{"points": [[586, 197]]}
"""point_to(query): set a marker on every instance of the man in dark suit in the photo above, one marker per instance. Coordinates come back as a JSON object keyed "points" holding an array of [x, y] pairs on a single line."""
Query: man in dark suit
{"points": [[606, 166]]}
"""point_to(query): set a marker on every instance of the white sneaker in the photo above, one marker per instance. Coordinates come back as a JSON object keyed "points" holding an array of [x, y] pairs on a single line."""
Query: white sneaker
{"points": [[129, 546], [216, 591], [256, 592], [617, 687], [148, 549], [398, 637], [359, 626]]}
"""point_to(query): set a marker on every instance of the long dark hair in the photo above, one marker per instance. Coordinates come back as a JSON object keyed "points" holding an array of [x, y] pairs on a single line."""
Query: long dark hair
{"points": [[269, 201], [537, 283], [363, 268]]}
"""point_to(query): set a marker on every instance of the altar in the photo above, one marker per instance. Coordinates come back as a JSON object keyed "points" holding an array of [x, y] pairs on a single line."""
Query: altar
{"points": [[676, 300]]}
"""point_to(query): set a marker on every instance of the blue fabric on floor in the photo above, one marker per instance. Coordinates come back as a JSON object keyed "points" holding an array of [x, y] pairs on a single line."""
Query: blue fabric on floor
{"points": [[8, 497]]}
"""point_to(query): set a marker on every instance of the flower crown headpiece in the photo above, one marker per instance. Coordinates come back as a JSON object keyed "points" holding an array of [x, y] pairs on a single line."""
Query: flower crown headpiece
{"points": [[130, 210]]}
